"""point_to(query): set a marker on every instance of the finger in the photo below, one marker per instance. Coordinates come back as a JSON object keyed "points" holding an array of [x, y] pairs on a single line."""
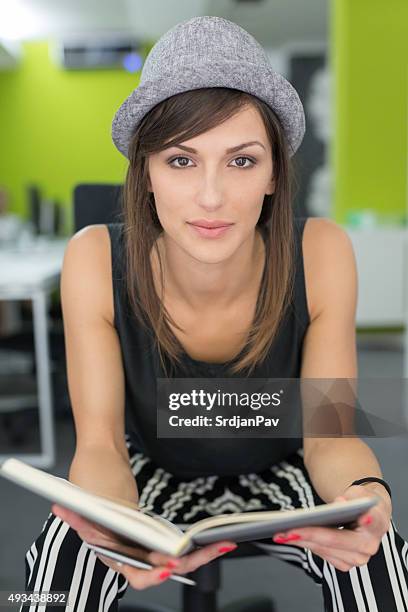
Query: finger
{"points": [[343, 539], [81, 524], [142, 579], [138, 578], [157, 558], [365, 519], [62, 511], [76, 520], [148, 556], [351, 559], [115, 565], [365, 544], [195, 559], [358, 491], [94, 534]]}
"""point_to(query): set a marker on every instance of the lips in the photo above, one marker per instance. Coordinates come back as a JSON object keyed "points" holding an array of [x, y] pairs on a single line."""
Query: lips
{"points": [[213, 232], [210, 224], [210, 227]]}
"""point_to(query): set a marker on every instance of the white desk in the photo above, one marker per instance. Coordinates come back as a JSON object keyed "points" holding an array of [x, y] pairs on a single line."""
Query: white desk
{"points": [[31, 274]]}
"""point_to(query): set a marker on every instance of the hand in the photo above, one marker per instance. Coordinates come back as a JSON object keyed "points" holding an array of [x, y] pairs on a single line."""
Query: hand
{"points": [[345, 548], [139, 578]]}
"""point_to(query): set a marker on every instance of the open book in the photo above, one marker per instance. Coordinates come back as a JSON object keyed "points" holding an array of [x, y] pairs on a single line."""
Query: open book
{"points": [[136, 526]]}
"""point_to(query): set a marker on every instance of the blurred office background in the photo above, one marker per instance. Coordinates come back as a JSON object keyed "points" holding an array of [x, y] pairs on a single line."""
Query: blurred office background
{"points": [[65, 67]]}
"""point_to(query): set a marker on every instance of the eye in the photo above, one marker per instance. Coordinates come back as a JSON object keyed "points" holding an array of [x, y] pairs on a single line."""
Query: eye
{"points": [[253, 162], [170, 161]]}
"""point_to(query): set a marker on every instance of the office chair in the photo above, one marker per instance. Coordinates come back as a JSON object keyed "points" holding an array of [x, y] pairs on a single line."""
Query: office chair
{"points": [[95, 204]]}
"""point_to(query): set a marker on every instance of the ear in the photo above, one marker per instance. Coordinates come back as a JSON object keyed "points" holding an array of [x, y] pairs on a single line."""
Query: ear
{"points": [[271, 187]]}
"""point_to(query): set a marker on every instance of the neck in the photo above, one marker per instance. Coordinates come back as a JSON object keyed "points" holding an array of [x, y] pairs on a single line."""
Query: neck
{"points": [[203, 286]]}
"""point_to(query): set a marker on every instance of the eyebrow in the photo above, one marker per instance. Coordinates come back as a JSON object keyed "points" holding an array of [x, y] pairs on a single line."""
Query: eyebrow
{"points": [[230, 150]]}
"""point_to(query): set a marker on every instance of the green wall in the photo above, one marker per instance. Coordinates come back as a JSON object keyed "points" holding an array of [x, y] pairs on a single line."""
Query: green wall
{"points": [[369, 51], [55, 126]]}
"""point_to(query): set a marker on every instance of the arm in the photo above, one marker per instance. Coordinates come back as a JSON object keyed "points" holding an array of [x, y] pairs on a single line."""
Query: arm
{"points": [[329, 351], [94, 367], [105, 472], [96, 387]]}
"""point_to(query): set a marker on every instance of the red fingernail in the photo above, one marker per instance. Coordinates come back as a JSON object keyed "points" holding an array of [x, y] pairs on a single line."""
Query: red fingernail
{"points": [[226, 548], [290, 538], [172, 564], [164, 575], [367, 520]]}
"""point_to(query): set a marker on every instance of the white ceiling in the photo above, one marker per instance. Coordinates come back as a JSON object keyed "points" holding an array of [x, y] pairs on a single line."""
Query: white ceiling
{"points": [[272, 22]]}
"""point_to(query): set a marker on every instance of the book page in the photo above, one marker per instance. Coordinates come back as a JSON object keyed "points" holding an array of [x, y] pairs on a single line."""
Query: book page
{"points": [[267, 515], [154, 521]]}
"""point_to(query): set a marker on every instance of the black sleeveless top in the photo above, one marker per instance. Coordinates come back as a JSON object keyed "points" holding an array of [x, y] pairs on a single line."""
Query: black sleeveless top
{"points": [[189, 458]]}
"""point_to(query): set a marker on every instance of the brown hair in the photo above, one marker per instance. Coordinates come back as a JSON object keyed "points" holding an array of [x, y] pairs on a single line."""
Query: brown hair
{"points": [[174, 120]]}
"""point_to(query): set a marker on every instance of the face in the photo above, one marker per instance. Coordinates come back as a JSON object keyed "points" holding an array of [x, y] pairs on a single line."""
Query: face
{"points": [[213, 184]]}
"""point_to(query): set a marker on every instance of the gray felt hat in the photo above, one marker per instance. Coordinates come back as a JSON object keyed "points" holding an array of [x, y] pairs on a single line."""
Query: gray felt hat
{"points": [[209, 51]]}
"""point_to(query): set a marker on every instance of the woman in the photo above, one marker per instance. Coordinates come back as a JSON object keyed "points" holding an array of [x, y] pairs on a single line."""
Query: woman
{"points": [[209, 134]]}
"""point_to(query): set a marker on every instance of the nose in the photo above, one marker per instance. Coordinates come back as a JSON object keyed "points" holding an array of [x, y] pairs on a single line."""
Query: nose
{"points": [[210, 197]]}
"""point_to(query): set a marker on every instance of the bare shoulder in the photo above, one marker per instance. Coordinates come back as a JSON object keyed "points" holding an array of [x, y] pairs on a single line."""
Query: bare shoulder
{"points": [[328, 257], [322, 236], [87, 267]]}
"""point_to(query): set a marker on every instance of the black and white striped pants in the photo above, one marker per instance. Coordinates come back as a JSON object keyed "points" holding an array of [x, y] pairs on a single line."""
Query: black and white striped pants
{"points": [[58, 560]]}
